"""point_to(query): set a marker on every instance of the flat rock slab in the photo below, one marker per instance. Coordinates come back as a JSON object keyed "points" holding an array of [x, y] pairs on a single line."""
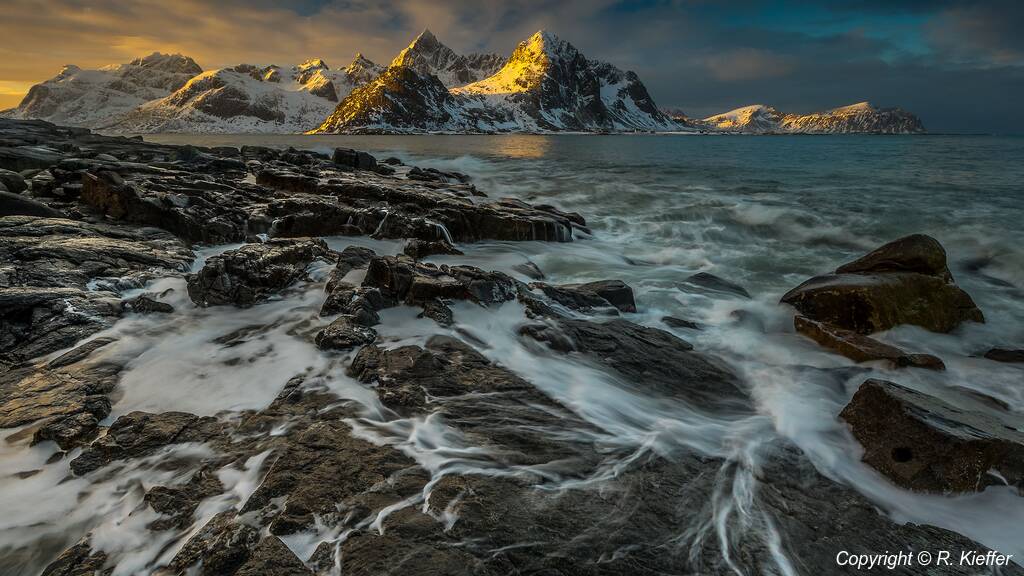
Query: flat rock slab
{"points": [[923, 443]]}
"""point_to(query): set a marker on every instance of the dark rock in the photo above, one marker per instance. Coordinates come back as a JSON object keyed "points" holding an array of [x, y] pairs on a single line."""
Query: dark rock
{"points": [[222, 546], [54, 273], [354, 159], [904, 282], [435, 175], [861, 348], [601, 294], [349, 259], [289, 181], [79, 560], [272, 558], [392, 161], [716, 284], [923, 443], [916, 253], [17, 205], [384, 170], [343, 334], [140, 433], [437, 311], [418, 249], [13, 181], [145, 305], [252, 273], [530, 270], [1004, 355], [70, 431], [400, 279], [37, 321], [673, 322], [653, 358], [20, 158], [79, 353], [178, 503]]}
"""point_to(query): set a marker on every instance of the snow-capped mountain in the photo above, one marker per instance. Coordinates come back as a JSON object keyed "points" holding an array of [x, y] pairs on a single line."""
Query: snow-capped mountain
{"points": [[546, 85], [90, 98], [855, 118], [428, 56], [247, 98]]}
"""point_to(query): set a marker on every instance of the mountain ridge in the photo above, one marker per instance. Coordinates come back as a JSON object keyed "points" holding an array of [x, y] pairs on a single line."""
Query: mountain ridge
{"points": [[545, 85]]}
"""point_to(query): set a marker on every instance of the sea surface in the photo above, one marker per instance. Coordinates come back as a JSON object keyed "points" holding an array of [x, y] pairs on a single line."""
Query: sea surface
{"points": [[765, 212]]}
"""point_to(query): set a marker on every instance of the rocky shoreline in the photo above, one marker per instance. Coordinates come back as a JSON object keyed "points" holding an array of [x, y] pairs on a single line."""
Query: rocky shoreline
{"points": [[536, 488]]}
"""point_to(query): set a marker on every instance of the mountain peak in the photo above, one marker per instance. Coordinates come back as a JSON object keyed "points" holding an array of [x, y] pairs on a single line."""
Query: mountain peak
{"points": [[425, 39], [176, 63], [313, 63], [858, 107]]}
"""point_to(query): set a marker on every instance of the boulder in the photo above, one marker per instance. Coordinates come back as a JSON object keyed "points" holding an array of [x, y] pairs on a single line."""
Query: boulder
{"points": [[903, 282], [600, 294], [12, 204], [673, 322], [400, 279], [418, 249], [250, 274], [343, 334], [354, 159], [861, 348], [13, 181], [926, 444], [1005, 355], [146, 305], [359, 303], [713, 283]]}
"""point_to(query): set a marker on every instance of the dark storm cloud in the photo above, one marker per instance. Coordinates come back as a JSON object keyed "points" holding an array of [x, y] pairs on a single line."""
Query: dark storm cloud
{"points": [[958, 64]]}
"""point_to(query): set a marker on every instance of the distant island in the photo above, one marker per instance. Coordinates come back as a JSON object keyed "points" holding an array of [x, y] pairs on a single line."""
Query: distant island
{"points": [[545, 86]]}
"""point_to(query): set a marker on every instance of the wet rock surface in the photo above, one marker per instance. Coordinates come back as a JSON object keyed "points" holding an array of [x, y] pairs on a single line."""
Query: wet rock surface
{"points": [[451, 461], [252, 273], [584, 297], [861, 348], [903, 282], [924, 443]]}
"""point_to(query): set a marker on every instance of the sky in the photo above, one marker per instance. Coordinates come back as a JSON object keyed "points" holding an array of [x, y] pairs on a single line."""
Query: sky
{"points": [[957, 64]]}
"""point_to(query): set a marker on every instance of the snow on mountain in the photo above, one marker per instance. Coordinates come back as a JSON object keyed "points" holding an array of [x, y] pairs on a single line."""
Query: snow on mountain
{"points": [[246, 98], [855, 118], [80, 97], [546, 85], [428, 56]]}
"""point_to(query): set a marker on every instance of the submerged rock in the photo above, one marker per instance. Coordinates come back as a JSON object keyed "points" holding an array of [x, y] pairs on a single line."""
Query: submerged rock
{"points": [[923, 443], [903, 282], [250, 274], [1005, 355], [711, 282], [648, 357]]}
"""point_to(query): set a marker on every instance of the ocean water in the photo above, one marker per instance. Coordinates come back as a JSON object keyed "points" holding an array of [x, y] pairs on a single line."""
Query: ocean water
{"points": [[763, 212]]}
